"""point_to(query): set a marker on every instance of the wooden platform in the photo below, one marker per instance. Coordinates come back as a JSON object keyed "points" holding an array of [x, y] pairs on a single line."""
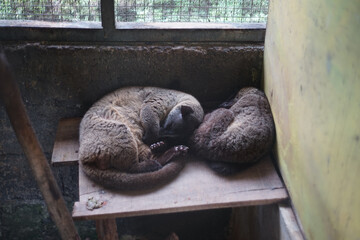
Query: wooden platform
{"points": [[66, 146], [196, 187]]}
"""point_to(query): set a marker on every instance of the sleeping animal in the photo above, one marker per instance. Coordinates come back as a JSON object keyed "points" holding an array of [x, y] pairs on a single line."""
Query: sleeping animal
{"points": [[131, 138], [238, 133]]}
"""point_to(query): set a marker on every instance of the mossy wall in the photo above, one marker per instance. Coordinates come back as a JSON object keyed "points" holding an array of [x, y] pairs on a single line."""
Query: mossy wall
{"points": [[312, 79], [59, 81]]}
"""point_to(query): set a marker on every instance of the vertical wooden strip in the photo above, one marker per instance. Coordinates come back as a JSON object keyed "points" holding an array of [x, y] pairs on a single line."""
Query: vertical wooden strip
{"points": [[243, 224], [66, 146], [11, 97], [106, 229], [255, 223], [289, 228], [108, 16]]}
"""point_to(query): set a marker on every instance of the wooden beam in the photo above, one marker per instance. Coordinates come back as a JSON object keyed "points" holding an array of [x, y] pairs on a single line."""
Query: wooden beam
{"points": [[106, 229], [289, 228], [196, 188], [11, 97], [66, 146], [255, 223]]}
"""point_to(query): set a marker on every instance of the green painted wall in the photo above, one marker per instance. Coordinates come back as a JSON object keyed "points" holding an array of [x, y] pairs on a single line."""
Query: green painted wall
{"points": [[312, 79]]}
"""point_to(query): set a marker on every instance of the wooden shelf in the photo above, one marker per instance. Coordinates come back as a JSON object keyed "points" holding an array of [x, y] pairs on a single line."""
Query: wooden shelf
{"points": [[196, 188], [66, 146]]}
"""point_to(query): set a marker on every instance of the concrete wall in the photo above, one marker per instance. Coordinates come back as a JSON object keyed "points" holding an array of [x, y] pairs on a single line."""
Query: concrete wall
{"points": [[312, 79], [59, 81]]}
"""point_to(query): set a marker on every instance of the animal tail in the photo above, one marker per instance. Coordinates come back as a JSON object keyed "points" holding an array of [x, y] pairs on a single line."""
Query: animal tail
{"points": [[112, 178]]}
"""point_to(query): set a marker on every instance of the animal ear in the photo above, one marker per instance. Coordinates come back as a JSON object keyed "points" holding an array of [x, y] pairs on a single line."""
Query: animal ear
{"points": [[186, 110]]}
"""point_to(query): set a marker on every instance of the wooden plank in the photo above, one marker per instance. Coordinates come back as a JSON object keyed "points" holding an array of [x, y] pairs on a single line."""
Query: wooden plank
{"points": [[106, 229], [254, 223], [10, 96], [244, 224], [196, 188], [289, 228], [66, 147]]}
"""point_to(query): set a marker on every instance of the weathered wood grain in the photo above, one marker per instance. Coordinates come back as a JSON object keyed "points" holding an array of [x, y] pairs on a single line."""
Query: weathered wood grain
{"points": [[66, 146], [289, 228], [196, 188], [106, 229], [11, 98]]}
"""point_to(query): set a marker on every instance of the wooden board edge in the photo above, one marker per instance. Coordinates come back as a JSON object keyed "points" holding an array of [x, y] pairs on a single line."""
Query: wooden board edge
{"points": [[268, 197], [65, 163], [289, 227], [72, 162]]}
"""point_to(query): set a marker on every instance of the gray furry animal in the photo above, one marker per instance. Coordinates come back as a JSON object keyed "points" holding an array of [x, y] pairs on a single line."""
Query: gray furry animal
{"points": [[238, 133], [131, 138]]}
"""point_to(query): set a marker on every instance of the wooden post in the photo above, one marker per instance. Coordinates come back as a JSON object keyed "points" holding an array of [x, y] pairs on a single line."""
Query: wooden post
{"points": [[255, 223], [106, 229], [11, 98]]}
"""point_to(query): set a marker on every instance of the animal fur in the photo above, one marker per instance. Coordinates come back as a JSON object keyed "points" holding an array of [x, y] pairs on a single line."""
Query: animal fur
{"points": [[239, 133], [116, 132]]}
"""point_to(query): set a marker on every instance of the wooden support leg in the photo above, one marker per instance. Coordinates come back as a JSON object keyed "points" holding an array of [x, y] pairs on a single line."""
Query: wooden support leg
{"points": [[255, 223], [243, 224], [106, 229], [15, 108], [289, 227]]}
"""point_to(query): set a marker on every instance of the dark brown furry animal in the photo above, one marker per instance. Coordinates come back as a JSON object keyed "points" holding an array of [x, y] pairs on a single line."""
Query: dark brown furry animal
{"points": [[116, 132], [240, 132]]}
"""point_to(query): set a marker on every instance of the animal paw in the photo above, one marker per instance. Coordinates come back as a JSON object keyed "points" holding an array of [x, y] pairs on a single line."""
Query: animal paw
{"points": [[181, 149], [158, 147], [173, 152]]}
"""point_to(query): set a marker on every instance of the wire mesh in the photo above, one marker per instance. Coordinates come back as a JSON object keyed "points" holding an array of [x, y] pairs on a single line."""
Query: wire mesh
{"points": [[137, 10], [191, 10], [51, 10]]}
